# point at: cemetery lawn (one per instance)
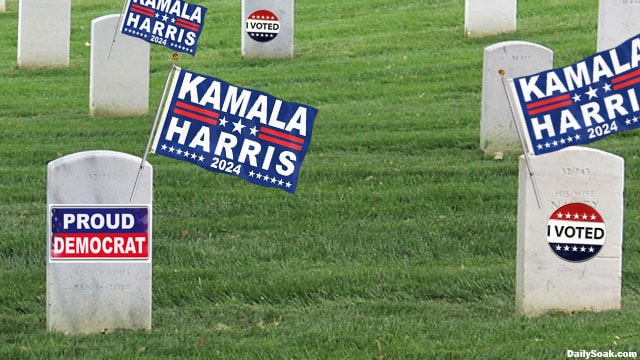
(400, 242)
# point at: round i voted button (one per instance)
(576, 232)
(262, 25)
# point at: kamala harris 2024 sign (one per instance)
(583, 102)
(172, 23)
(233, 130)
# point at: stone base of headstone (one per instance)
(86, 296)
(267, 29)
(483, 18)
(44, 30)
(545, 281)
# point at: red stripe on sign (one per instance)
(202, 111)
(626, 84)
(547, 101)
(195, 116)
(626, 76)
(282, 135)
(279, 142)
(550, 107)
(142, 10)
(187, 24)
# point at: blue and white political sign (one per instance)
(173, 23)
(580, 103)
(233, 130)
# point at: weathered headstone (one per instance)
(267, 28)
(569, 252)
(482, 17)
(617, 22)
(44, 30)
(504, 60)
(98, 243)
(119, 74)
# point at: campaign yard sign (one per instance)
(173, 23)
(580, 103)
(233, 130)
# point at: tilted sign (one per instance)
(580, 103)
(173, 23)
(232, 130)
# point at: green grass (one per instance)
(400, 241)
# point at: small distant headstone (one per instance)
(44, 30)
(2, 6)
(482, 17)
(504, 60)
(119, 71)
(267, 28)
(569, 252)
(617, 22)
(98, 243)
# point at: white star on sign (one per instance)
(254, 131)
(607, 87)
(576, 98)
(223, 122)
(592, 93)
(237, 126)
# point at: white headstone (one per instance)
(2, 6)
(506, 60)
(267, 28)
(119, 75)
(490, 17)
(569, 252)
(617, 22)
(112, 291)
(44, 30)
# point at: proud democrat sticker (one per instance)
(576, 232)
